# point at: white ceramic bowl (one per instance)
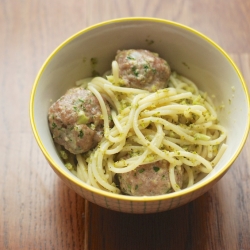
(188, 52)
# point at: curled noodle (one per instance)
(178, 124)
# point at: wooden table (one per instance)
(37, 211)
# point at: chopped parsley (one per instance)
(81, 134)
(136, 187)
(80, 100)
(156, 169)
(141, 170)
(93, 60)
(130, 58)
(135, 71)
(154, 70)
(146, 67)
(54, 125)
(186, 65)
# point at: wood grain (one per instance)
(37, 211)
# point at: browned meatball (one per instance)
(75, 120)
(149, 179)
(142, 69)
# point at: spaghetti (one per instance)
(178, 124)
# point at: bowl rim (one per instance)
(107, 194)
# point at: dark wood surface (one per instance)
(37, 211)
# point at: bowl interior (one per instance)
(188, 52)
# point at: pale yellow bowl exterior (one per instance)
(188, 51)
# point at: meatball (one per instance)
(149, 179)
(75, 120)
(142, 69)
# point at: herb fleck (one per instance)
(130, 58)
(141, 170)
(93, 60)
(146, 67)
(54, 125)
(156, 169)
(135, 71)
(186, 65)
(149, 42)
(81, 134)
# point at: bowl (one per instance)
(188, 52)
